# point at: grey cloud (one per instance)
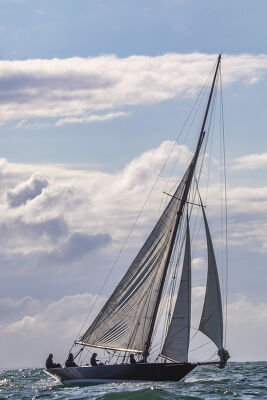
(77, 246)
(13, 229)
(67, 252)
(21, 85)
(12, 309)
(26, 191)
(59, 319)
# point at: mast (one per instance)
(180, 212)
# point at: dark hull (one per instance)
(121, 373)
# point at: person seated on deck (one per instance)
(70, 361)
(94, 360)
(49, 363)
(132, 359)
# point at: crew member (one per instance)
(94, 360)
(49, 362)
(132, 359)
(70, 361)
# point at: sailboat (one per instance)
(126, 323)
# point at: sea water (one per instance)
(236, 381)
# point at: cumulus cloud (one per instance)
(139, 170)
(77, 246)
(72, 88)
(250, 162)
(52, 328)
(18, 231)
(62, 215)
(251, 321)
(62, 219)
(37, 202)
(12, 310)
(27, 190)
(32, 221)
(198, 264)
(65, 310)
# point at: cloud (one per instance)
(250, 162)
(148, 165)
(52, 328)
(62, 234)
(198, 264)
(12, 309)
(27, 190)
(70, 89)
(251, 320)
(32, 222)
(91, 118)
(37, 202)
(23, 233)
(24, 124)
(77, 246)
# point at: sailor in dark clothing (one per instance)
(49, 362)
(70, 361)
(94, 360)
(132, 359)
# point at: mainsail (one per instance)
(125, 320)
(211, 323)
(177, 340)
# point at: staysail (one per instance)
(211, 323)
(177, 340)
(125, 320)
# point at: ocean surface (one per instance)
(236, 381)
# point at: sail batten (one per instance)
(177, 340)
(211, 322)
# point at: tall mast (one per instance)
(180, 211)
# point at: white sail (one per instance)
(177, 340)
(211, 323)
(124, 321)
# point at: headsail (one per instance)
(177, 340)
(211, 323)
(125, 320)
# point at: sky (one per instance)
(93, 96)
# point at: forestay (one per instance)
(211, 323)
(177, 340)
(124, 321)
